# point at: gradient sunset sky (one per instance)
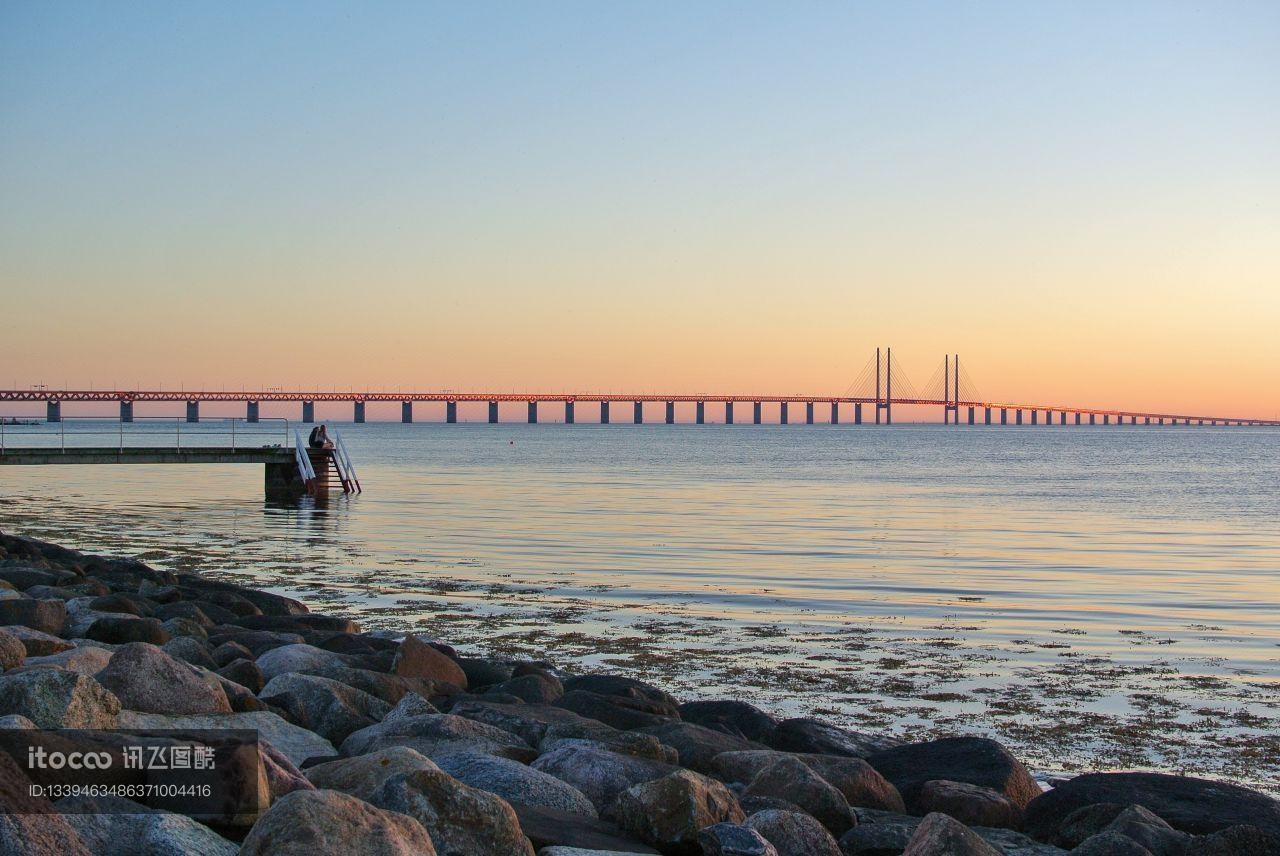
(1082, 199)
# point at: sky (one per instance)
(1081, 199)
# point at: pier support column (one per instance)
(406, 411)
(671, 413)
(702, 412)
(1062, 418)
(1018, 415)
(808, 413)
(835, 413)
(728, 413)
(637, 413)
(1186, 422)
(604, 413)
(451, 412)
(126, 411)
(1106, 419)
(493, 413)
(568, 413)
(1077, 418)
(251, 411)
(857, 413)
(308, 411)
(986, 416)
(783, 414)
(1004, 416)
(970, 415)
(53, 411)
(1093, 419)
(193, 411)
(533, 413)
(1035, 414)
(358, 415)
(755, 413)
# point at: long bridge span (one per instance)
(880, 387)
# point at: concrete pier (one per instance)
(53, 411)
(1018, 415)
(406, 411)
(783, 415)
(1106, 419)
(1035, 417)
(857, 413)
(755, 413)
(970, 415)
(126, 411)
(835, 413)
(702, 412)
(568, 413)
(193, 411)
(604, 413)
(986, 416)
(1093, 419)
(451, 412)
(637, 413)
(808, 413)
(1077, 418)
(1004, 416)
(251, 411)
(308, 411)
(533, 413)
(358, 414)
(728, 413)
(671, 413)
(493, 413)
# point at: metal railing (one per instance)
(345, 467)
(146, 431)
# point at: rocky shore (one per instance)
(379, 743)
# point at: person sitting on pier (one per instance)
(319, 438)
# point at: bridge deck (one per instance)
(149, 455)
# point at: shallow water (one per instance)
(1096, 597)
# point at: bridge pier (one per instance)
(1186, 422)
(755, 413)
(1077, 417)
(1062, 418)
(1004, 416)
(126, 411)
(53, 411)
(808, 413)
(451, 412)
(533, 413)
(637, 413)
(728, 413)
(604, 413)
(406, 412)
(970, 415)
(193, 411)
(986, 416)
(1106, 419)
(493, 413)
(671, 413)
(251, 411)
(308, 411)
(1018, 415)
(783, 415)
(1034, 417)
(835, 413)
(568, 413)
(702, 412)
(358, 414)
(857, 413)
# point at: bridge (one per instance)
(880, 386)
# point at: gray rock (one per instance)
(461, 820)
(794, 833)
(297, 744)
(622, 712)
(531, 722)
(297, 658)
(622, 742)
(52, 698)
(533, 688)
(1110, 844)
(669, 812)
(36, 642)
(790, 779)
(972, 805)
(86, 660)
(184, 628)
(438, 734)
(1150, 831)
(80, 616)
(975, 760)
(813, 736)
(122, 631)
(362, 775)
(147, 679)
(600, 774)
(14, 721)
(939, 835)
(695, 745)
(516, 783)
(732, 717)
(731, 839)
(309, 823)
(12, 652)
(47, 616)
(331, 709)
(411, 704)
(857, 780)
(114, 826)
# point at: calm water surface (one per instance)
(1097, 597)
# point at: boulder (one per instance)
(417, 659)
(735, 718)
(732, 839)
(461, 820)
(1237, 840)
(669, 812)
(620, 686)
(552, 830)
(883, 832)
(189, 649)
(245, 673)
(52, 698)
(696, 746)
(12, 652)
(185, 627)
(790, 779)
(257, 641)
(621, 712)
(1111, 844)
(117, 602)
(308, 823)
(389, 688)
(939, 835)
(47, 616)
(857, 780)
(531, 722)
(972, 805)
(86, 660)
(438, 734)
(975, 760)
(23, 578)
(813, 736)
(516, 783)
(612, 740)
(38, 643)
(29, 825)
(184, 609)
(229, 652)
(297, 744)
(793, 833)
(330, 709)
(122, 631)
(297, 658)
(598, 773)
(362, 775)
(1140, 825)
(533, 688)
(411, 705)
(1198, 806)
(484, 673)
(282, 775)
(145, 678)
(114, 826)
